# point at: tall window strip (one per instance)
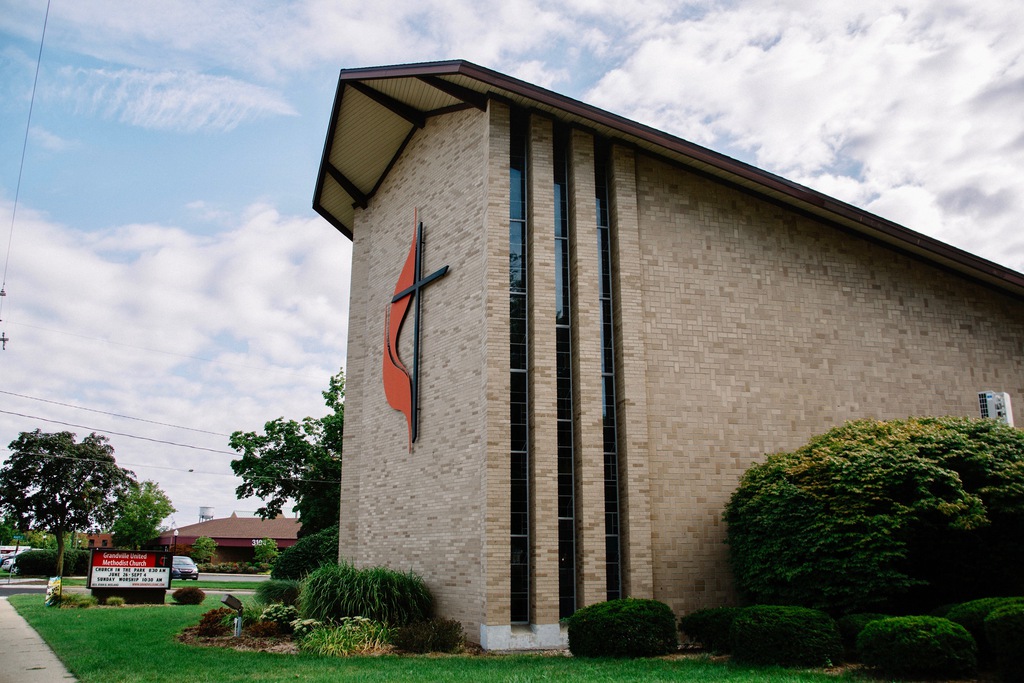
(519, 590)
(563, 350)
(613, 552)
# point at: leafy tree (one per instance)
(265, 551)
(139, 512)
(904, 515)
(51, 482)
(203, 549)
(293, 460)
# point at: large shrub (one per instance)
(308, 553)
(917, 647)
(785, 636)
(1004, 631)
(628, 627)
(337, 591)
(44, 562)
(850, 627)
(710, 627)
(883, 514)
(971, 615)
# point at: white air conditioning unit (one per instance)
(996, 405)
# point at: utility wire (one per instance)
(21, 166)
(130, 436)
(103, 412)
(54, 456)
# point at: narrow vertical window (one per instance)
(519, 590)
(563, 350)
(613, 553)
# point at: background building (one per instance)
(626, 323)
(236, 537)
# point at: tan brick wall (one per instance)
(763, 328)
(584, 266)
(497, 526)
(630, 378)
(543, 376)
(742, 329)
(424, 510)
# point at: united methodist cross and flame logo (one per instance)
(400, 385)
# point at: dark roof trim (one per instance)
(722, 166)
(413, 116)
(361, 200)
(465, 94)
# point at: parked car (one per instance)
(10, 564)
(184, 568)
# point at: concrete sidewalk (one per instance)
(26, 657)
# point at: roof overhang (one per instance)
(377, 110)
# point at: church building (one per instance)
(570, 334)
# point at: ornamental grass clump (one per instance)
(767, 635)
(350, 636)
(710, 627)
(628, 627)
(284, 591)
(334, 592)
(1004, 630)
(917, 647)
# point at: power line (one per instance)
(103, 412)
(181, 469)
(21, 166)
(130, 436)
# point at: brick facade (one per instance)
(742, 327)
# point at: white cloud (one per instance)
(49, 141)
(910, 110)
(218, 333)
(183, 101)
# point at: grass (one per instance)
(138, 644)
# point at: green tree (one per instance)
(298, 461)
(51, 482)
(265, 551)
(140, 509)
(203, 549)
(898, 515)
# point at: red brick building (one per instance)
(236, 537)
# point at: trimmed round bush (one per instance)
(1004, 630)
(628, 627)
(883, 516)
(971, 615)
(785, 636)
(190, 595)
(918, 647)
(308, 554)
(851, 625)
(710, 627)
(338, 591)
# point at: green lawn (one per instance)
(138, 644)
(176, 584)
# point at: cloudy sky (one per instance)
(167, 280)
